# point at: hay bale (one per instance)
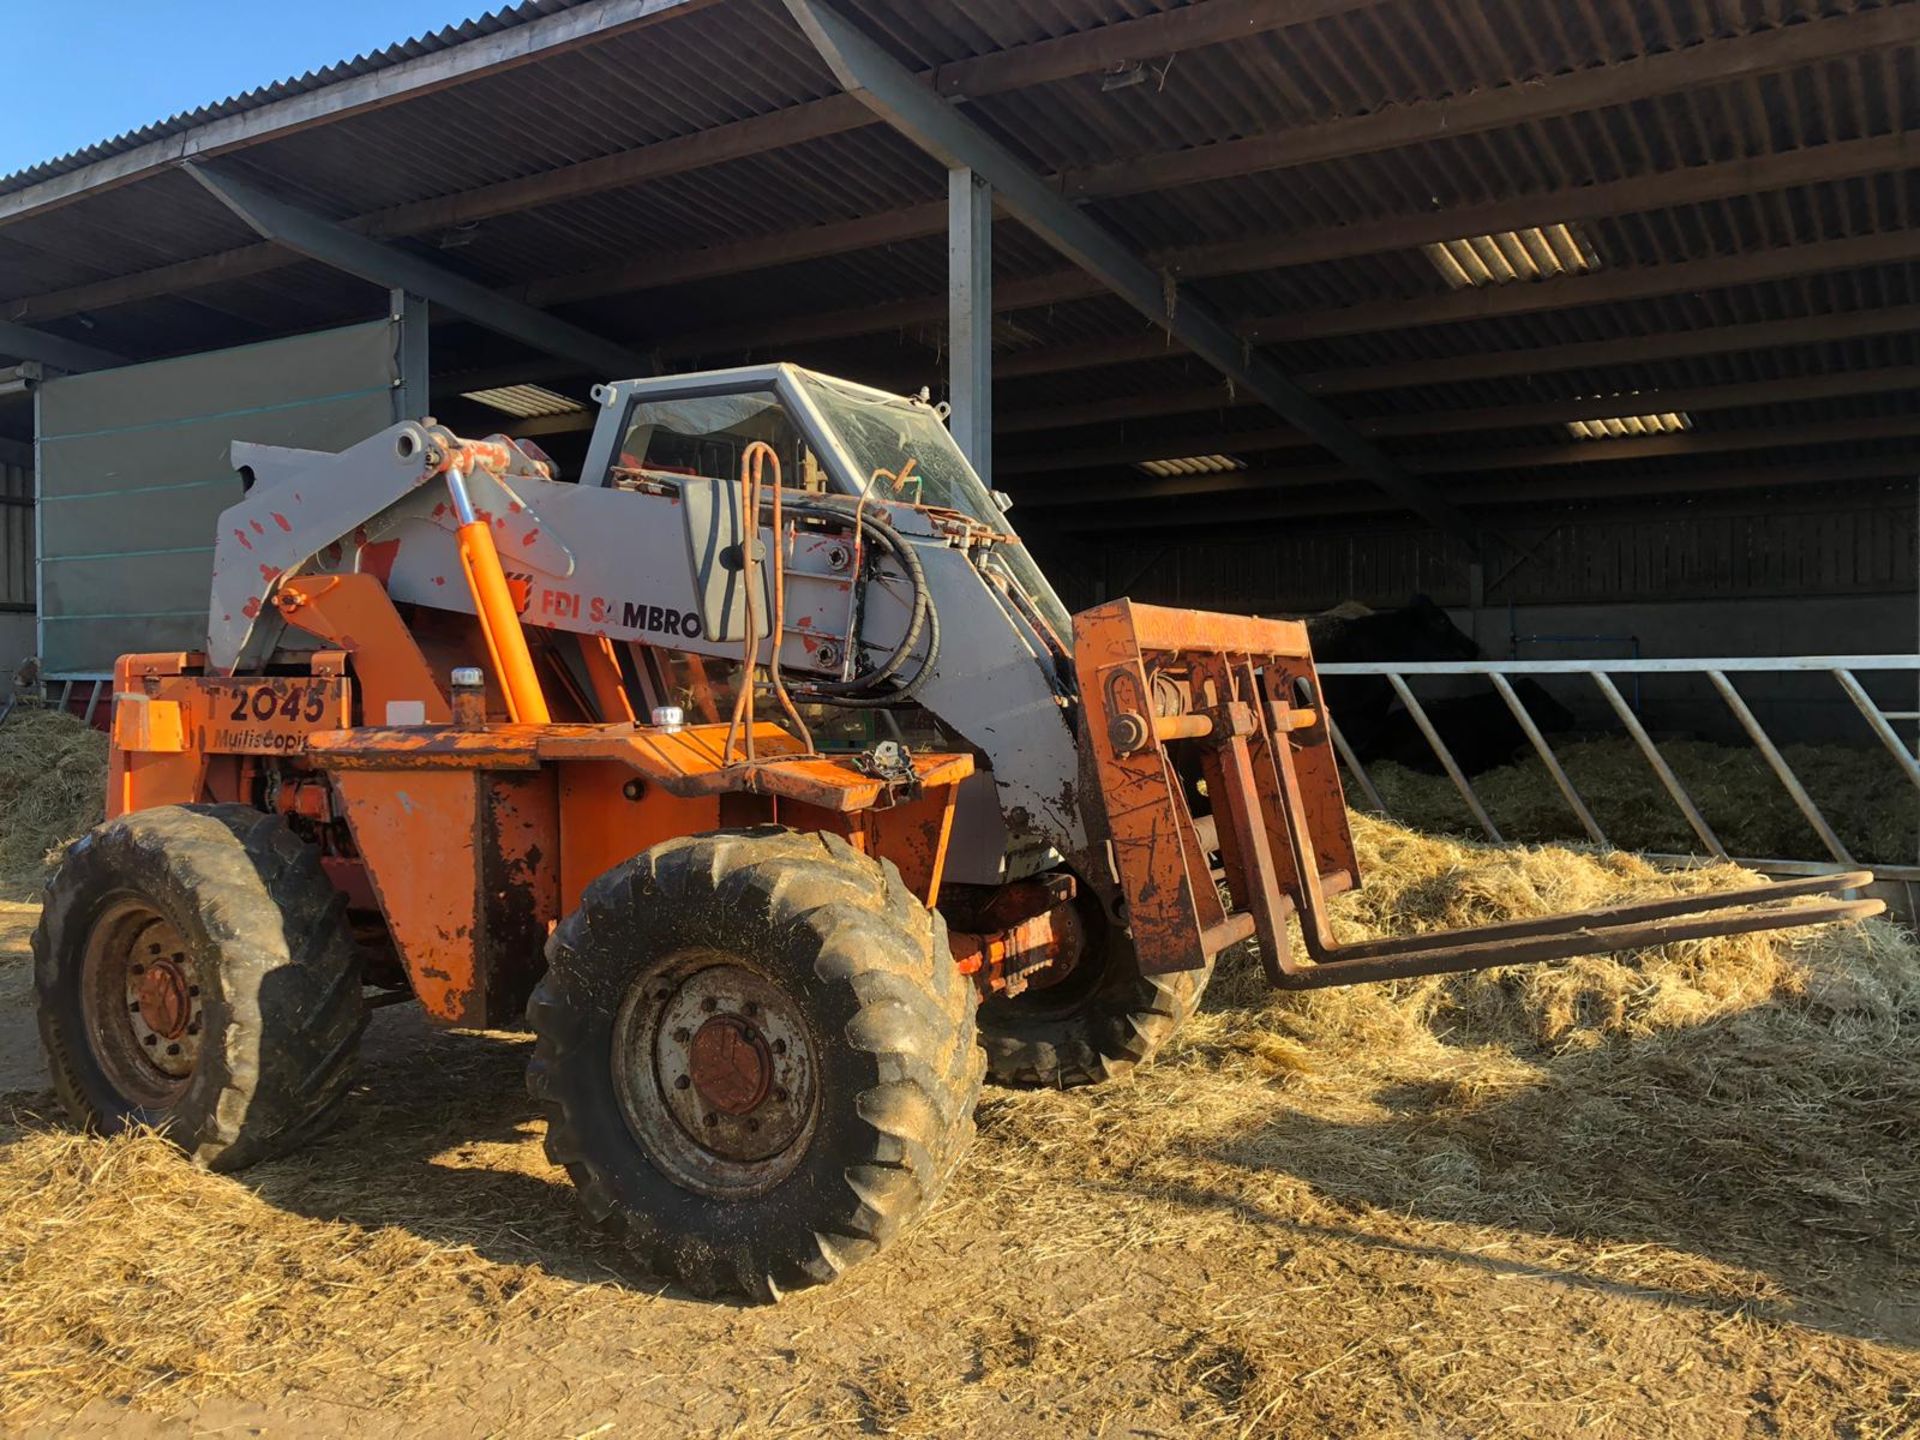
(53, 785)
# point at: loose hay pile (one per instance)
(126, 1274)
(1859, 789)
(1736, 1065)
(1350, 1203)
(53, 777)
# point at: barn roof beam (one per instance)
(394, 269)
(1635, 195)
(1598, 87)
(22, 342)
(1158, 446)
(1085, 488)
(1562, 292)
(1166, 33)
(1084, 52)
(1692, 442)
(1793, 389)
(939, 129)
(1090, 355)
(373, 90)
(1631, 350)
(1641, 282)
(1322, 500)
(1495, 364)
(1787, 390)
(1688, 185)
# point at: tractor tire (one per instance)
(756, 1058)
(195, 973)
(1096, 1025)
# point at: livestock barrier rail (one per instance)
(1843, 670)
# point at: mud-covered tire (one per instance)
(1093, 1029)
(273, 1014)
(861, 973)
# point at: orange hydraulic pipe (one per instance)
(493, 603)
(603, 673)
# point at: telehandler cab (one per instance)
(758, 766)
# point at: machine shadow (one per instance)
(441, 1139)
(1662, 1140)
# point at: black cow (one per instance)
(1418, 630)
(1479, 730)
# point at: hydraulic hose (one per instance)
(862, 690)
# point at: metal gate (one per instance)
(1844, 671)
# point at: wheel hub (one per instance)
(144, 1000)
(730, 1064)
(715, 1067)
(160, 998)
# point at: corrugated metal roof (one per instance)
(741, 60)
(444, 38)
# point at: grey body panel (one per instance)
(640, 566)
(715, 528)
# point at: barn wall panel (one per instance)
(134, 472)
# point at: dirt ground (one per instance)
(1219, 1248)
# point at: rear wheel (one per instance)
(195, 973)
(1095, 1024)
(756, 1057)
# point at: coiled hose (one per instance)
(863, 691)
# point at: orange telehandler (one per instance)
(757, 765)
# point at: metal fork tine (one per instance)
(1454, 957)
(1607, 916)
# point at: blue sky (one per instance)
(78, 71)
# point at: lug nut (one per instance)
(750, 1008)
(138, 968)
(752, 1125)
(682, 1083)
(779, 1047)
(151, 1039)
(709, 1005)
(780, 1093)
(134, 1005)
(713, 1119)
(682, 1035)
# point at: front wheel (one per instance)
(195, 973)
(756, 1057)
